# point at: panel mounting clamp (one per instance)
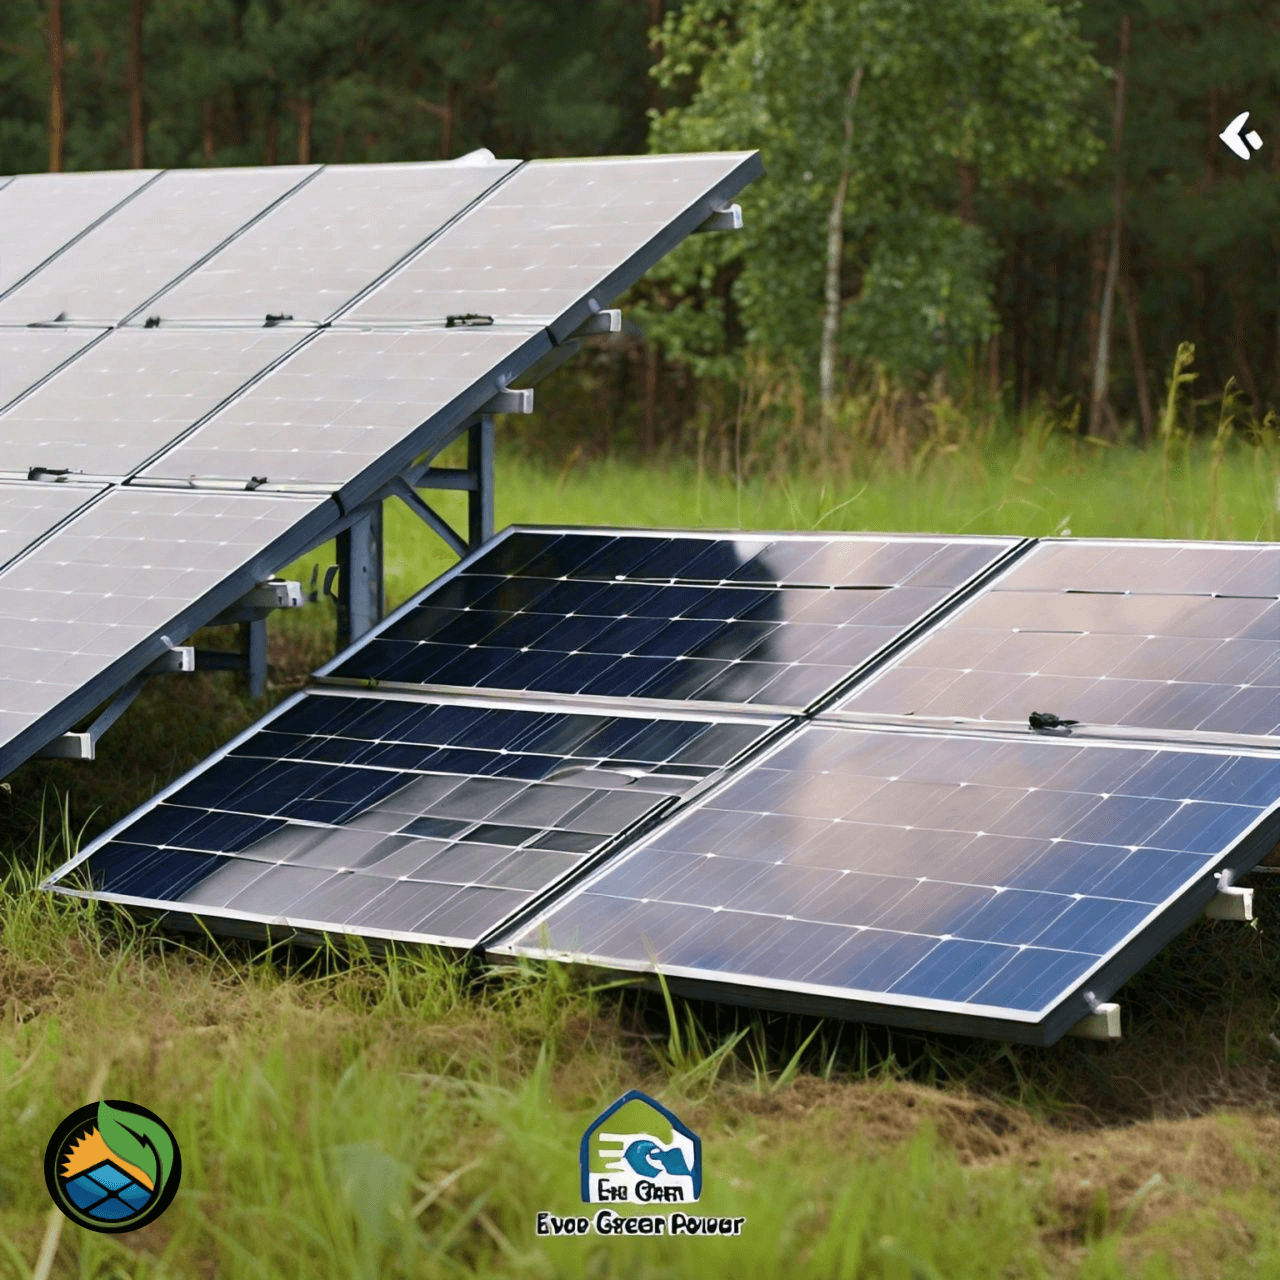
(1231, 902)
(728, 218)
(1102, 1023)
(510, 401)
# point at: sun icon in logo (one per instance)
(113, 1166)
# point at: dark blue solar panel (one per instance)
(428, 820)
(1159, 635)
(760, 620)
(918, 871)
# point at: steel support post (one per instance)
(360, 590)
(253, 644)
(480, 464)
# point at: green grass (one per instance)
(351, 1117)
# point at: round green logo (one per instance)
(112, 1166)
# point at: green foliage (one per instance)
(137, 1139)
(955, 99)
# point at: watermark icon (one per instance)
(112, 1166)
(637, 1153)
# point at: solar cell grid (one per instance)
(766, 621)
(328, 241)
(102, 587)
(557, 233)
(162, 232)
(347, 401)
(399, 818)
(932, 873)
(29, 511)
(28, 355)
(42, 212)
(1160, 636)
(132, 395)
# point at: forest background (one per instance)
(981, 207)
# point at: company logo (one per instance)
(637, 1152)
(112, 1166)
(633, 1155)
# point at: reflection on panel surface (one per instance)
(960, 874)
(1167, 636)
(767, 620)
(402, 818)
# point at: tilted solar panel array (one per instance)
(825, 859)
(191, 329)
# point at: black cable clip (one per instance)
(468, 320)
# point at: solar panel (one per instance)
(163, 231)
(947, 882)
(772, 620)
(350, 399)
(328, 241)
(1164, 636)
(29, 511)
(392, 817)
(86, 607)
(41, 212)
(132, 395)
(561, 238)
(28, 355)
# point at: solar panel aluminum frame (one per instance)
(325, 674)
(321, 523)
(919, 1013)
(961, 604)
(258, 927)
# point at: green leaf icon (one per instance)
(139, 1140)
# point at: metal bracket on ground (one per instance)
(1231, 902)
(1102, 1023)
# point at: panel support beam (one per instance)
(360, 576)
(82, 745)
(480, 464)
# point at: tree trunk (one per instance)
(273, 137)
(306, 112)
(655, 47)
(835, 248)
(206, 130)
(1138, 357)
(137, 106)
(447, 121)
(1100, 405)
(57, 112)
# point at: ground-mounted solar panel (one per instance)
(43, 212)
(331, 239)
(147, 243)
(88, 607)
(27, 356)
(402, 818)
(30, 511)
(764, 620)
(133, 394)
(940, 881)
(1164, 636)
(560, 239)
(352, 406)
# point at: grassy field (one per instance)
(348, 1117)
